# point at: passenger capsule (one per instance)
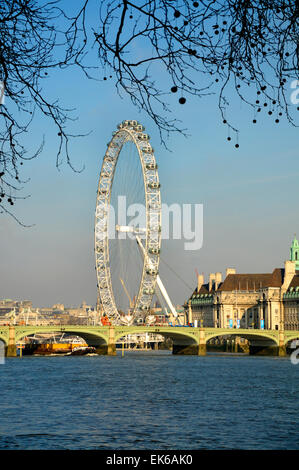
(154, 251)
(151, 166)
(151, 271)
(143, 137)
(154, 185)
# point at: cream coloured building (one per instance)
(248, 300)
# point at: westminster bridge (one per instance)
(186, 340)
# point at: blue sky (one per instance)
(250, 195)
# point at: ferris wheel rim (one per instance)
(134, 132)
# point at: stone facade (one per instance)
(7, 305)
(267, 301)
(291, 305)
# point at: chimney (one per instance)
(218, 279)
(230, 271)
(211, 279)
(289, 273)
(200, 281)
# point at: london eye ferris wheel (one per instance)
(128, 253)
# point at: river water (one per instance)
(149, 400)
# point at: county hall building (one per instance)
(267, 300)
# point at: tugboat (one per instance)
(65, 345)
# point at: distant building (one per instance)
(22, 313)
(58, 307)
(7, 305)
(249, 300)
(165, 317)
(86, 307)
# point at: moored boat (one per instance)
(63, 345)
(82, 351)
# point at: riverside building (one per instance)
(269, 300)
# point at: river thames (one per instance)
(149, 400)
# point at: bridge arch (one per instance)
(92, 338)
(4, 338)
(290, 338)
(178, 335)
(250, 335)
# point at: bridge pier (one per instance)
(262, 350)
(11, 350)
(189, 350)
(186, 349)
(259, 348)
(110, 348)
(282, 351)
(202, 348)
(192, 349)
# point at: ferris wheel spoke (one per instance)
(130, 229)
